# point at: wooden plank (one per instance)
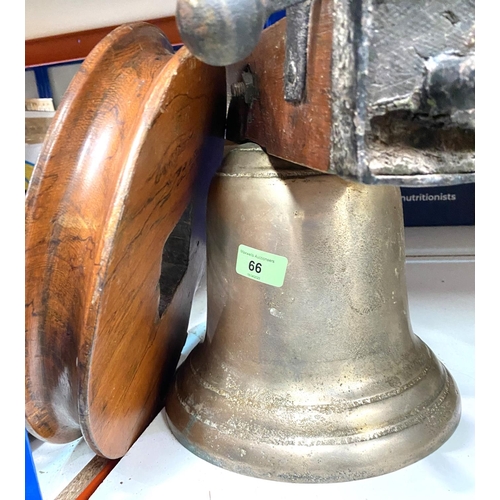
(296, 132)
(88, 479)
(76, 46)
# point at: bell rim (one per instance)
(334, 466)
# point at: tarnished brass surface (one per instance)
(321, 379)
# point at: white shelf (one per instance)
(448, 241)
(57, 464)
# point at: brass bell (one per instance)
(310, 371)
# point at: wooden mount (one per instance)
(135, 140)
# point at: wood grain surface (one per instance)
(128, 150)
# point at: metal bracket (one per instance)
(223, 32)
(297, 41)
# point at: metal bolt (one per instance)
(246, 88)
(238, 89)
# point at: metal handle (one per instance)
(222, 32)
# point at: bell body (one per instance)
(310, 371)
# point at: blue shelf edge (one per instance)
(31, 485)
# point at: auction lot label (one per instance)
(261, 266)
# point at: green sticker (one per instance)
(261, 266)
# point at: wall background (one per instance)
(54, 17)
